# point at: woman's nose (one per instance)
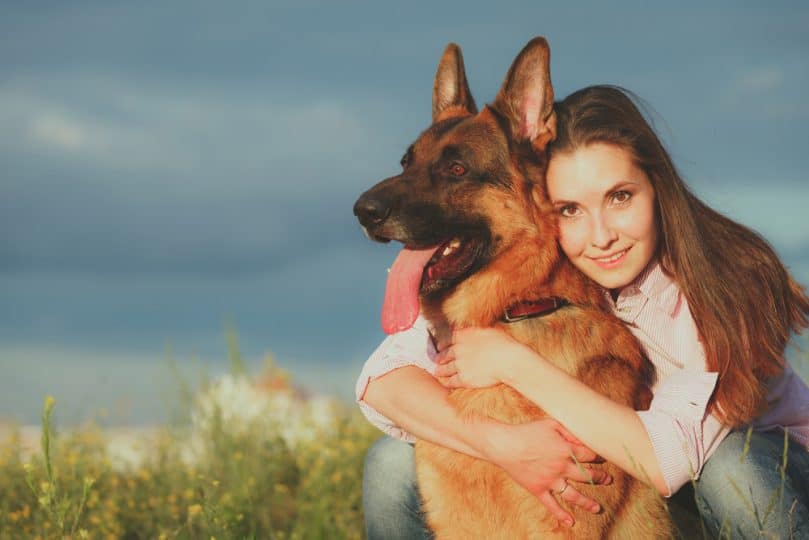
(602, 234)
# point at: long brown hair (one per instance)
(744, 302)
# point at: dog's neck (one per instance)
(533, 274)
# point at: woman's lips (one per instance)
(612, 260)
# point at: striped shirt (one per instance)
(682, 432)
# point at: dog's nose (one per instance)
(371, 211)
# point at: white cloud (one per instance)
(162, 130)
(761, 79)
(58, 130)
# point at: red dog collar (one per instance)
(532, 308)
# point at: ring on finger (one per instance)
(563, 489)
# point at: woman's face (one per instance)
(606, 209)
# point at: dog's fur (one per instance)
(499, 203)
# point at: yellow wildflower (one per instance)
(194, 510)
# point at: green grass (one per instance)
(221, 480)
(237, 483)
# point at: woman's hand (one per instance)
(540, 457)
(479, 357)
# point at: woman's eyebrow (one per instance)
(621, 184)
(612, 189)
(562, 202)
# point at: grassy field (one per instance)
(247, 459)
(215, 476)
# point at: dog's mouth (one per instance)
(426, 272)
(450, 263)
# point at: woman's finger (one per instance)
(443, 343)
(446, 370)
(567, 435)
(453, 381)
(553, 507)
(582, 454)
(445, 356)
(578, 473)
(572, 496)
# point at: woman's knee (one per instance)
(750, 462)
(391, 501)
(743, 489)
(389, 469)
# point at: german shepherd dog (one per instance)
(480, 249)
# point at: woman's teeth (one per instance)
(612, 258)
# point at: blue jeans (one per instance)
(390, 497)
(732, 496)
(744, 495)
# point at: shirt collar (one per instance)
(658, 287)
(652, 284)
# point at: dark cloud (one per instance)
(166, 167)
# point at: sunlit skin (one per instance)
(606, 207)
(608, 229)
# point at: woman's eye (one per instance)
(457, 169)
(569, 211)
(404, 161)
(620, 197)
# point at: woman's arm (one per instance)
(537, 455)
(397, 392)
(415, 401)
(614, 431)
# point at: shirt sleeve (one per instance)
(412, 347)
(681, 431)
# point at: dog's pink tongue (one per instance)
(401, 305)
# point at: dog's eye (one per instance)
(457, 169)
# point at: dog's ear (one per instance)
(451, 95)
(526, 97)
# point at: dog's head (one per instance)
(471, 187)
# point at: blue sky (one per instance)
(171, 167)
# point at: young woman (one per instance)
(709, 300)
